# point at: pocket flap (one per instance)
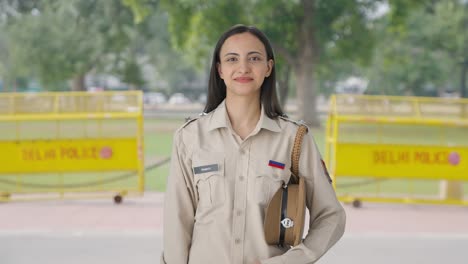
(272, 172)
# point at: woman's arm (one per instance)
(327, 216)
(179, 206)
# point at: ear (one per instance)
(220, 72)
(270, 65)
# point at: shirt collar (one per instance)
(219, 119)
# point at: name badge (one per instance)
(206, 168)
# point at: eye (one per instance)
(231, 59)
(255, 58)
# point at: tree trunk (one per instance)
(283, 88)
(78, 83)
(304, 70)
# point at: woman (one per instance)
(221, 176)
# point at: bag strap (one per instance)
(296, 153)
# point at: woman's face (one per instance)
(243, 65)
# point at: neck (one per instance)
(243, 113)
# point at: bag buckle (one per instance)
(287, 223)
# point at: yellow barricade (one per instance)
(71, 145)
(398, 149)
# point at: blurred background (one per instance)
(163, 48)
(109, 50)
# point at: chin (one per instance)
(246, 93)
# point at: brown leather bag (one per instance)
(285, 214)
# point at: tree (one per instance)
(170, 65)
(61, 40)
(9, 72)
(306, 34)
(421, 54)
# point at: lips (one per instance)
(243, 79)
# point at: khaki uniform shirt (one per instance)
(219, 186)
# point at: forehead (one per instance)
(242, 43)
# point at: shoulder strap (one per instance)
(296, 153)
(189, 120)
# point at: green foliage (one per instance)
(132, 74)
(64, 39)
(423, 57)
(341, 28)
(195, 26)
(171, 66)
(140, 9)
(55, 41)
(415, 48)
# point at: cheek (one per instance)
(224, 72)
(220, 71)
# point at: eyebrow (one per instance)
(236, 54)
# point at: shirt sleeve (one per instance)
(179, 206)
(327, 216)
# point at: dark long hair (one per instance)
(217, 88)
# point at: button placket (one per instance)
(240, 204)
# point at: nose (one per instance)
(244, 66)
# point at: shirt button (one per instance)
(241, 178)
(242, 151)
(239, 212)
(237, 241)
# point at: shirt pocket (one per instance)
(208, 171)
(268, 180)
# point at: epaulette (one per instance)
(189, 119)
(298, 123)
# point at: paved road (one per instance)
(145, 248)
(99, 232)
(399, 249)
(80, 248)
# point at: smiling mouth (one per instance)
(243, 79)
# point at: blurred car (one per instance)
(154, 98)
(449, 94)
(178, 98)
